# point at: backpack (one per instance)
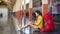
(48, 23)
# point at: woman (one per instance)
(38, 24)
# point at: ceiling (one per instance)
(8, 3)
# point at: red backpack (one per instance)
(48, 23)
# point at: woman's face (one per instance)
(36, 14)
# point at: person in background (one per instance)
(0, 14)
(38, 24)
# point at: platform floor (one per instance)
(7, 26)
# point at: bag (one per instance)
(48, 23)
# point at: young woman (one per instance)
(38, 24)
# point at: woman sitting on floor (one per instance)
(38, 24)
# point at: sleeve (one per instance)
(38, 21)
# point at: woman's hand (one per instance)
(22, 28)
(30, 22)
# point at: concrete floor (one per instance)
(57, 28)
(7, 26)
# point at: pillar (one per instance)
(21, 12)
(51, 1)
(44, 7)
(30, 12)
(24, 12)
(17, 9)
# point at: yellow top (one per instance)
(39, 22)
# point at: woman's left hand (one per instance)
(30, 22)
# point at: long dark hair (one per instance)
(37, 11)
(40, 13)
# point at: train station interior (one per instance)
(14, 14)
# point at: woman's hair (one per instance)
(37, 11)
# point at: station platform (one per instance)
(7, 26)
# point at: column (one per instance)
(17, 9)
(30, 12)
(21, 12)
(44, 7)
(24, 12)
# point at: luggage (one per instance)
(48, 23)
